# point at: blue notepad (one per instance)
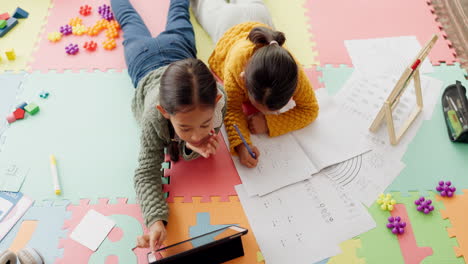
(8, 200)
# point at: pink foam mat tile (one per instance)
(52, 55)
(214, 176)
(334, 21)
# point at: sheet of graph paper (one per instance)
(304, 222)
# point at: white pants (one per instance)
(217, 16)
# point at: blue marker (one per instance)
(245, 142)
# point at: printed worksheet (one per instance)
(304, 222)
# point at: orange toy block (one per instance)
(109, 44)
(183, 216)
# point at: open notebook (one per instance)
(293, 157)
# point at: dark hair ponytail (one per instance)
(185, 85)
(271, 75)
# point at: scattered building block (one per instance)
(11, 118)
(3, 24)
(19, 114)
(4, 16)
(22, 105)
(32, 108)
(20, 13)
(11, 23)
(10, 54)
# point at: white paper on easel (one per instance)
(92, 230)
(385, 55)
(304, 222)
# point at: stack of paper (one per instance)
(13, 205)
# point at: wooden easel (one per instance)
(386, 112)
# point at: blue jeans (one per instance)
(143, 53)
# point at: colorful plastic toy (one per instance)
(90, 45)
(22, 105)
(11, 23)
(3, 24)
(445, 188)
(11, 118)
(386, 202)
(109, 44)
(32, 108)
(79, 30)
(66, 30)
(115, 24)
(19, 114)
(112, 32)
(85, 10)
(4, 16)
(44, 94)
(75, 21)
(396, 225)
(96, 28)
(424, 205)
(54, 36)
(72, 49)
(11, 55)
(20, 13)
(105, 12)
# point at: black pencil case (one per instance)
(455, 108)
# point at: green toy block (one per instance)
(32, 108)
(11, 23)
(3, 23)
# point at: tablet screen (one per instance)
(230, 231)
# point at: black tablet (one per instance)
(214, 247)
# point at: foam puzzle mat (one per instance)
(87, 123)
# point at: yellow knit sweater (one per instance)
(228, 60)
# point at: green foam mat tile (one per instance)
(87, 123)
(430, 230)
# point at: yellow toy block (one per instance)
(10, 54)
(54, 36)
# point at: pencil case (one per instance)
(455, 108)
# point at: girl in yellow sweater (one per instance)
(256, 67)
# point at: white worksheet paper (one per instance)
(332, 138)
(386, 55)
(92, 230)
(14, 215)
(304, 222)
(365, 176)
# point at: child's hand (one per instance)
(154, 239)
(244, 156)
(258, 124)
(208, 148)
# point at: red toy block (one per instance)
(4, 16)
(19, 113)
(90, 45)
(85, 10)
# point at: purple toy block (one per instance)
(445, 188)
(72, 49)
(66, 30)
(105, 12)
(396, 225)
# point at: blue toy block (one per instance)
(11, 22)
(20, 13)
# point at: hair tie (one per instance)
(274, 42)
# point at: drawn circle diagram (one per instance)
(345, 172)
